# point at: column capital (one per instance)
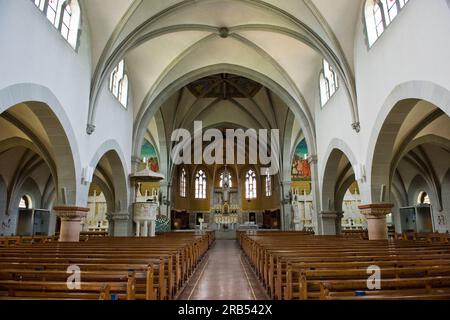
(376, 219)
(71, 217)
(286, 183)
(313, 159)
(135, 160)
(329, 214)
(330, 222)
(135, 163)
(376, 210)
(120, 216)
(165, 183)
(71, 213)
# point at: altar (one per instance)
(225, 213)
(227, 221)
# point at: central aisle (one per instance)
(224, 275)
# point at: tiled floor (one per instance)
(224, 275)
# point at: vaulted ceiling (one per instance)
(163, 41)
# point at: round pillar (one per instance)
(376, 219)
(71, 218)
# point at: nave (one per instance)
(259, 266)
(224, 275)
(138, 135)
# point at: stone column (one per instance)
(339, 217)
(376, 219)
(329, 222)
(152, 231)
(121, 221)
(315, 192)
(297, 216)
(165, 189)
(286, 206)
(109, 217)
(71, 218)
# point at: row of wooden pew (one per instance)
(101, 268)
(13, 240)
(429, 237)
(295, 266)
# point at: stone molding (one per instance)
(120, 216)
(376, 211)
(71, 213)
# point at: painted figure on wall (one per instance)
(149, 152)
(301, 170)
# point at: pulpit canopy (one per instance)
(146, 175)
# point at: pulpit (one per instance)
(145, 208)
(145, 218)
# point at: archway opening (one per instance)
(26, 202)
(96, 220)
(352, 218)
(219, 103)
(108, 194)
(423, 199)
(407, 164)
(28, 189)
(301, 189)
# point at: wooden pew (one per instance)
(160, 265)
(294, 266)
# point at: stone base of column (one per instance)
(329, 222)
(376, 219)
(71, 218)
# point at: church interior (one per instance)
(328, 129)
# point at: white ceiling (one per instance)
(257, 37)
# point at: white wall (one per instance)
(415, 47)
(33, 51)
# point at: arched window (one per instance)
(26, 203)
(118, 84)
(250, 185)
(229, 180)
(379, 14)
(64, 16)
(40, 4)
(200, 185)
(66, 20)
(328, 83)
(423, 198)
(52, 11)
(268, 184)
(183, 179)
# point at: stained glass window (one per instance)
(183, 183)
(250, 185)
(268, 184)
(200, 185)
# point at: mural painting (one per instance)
(148, 152)
(301, 170)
